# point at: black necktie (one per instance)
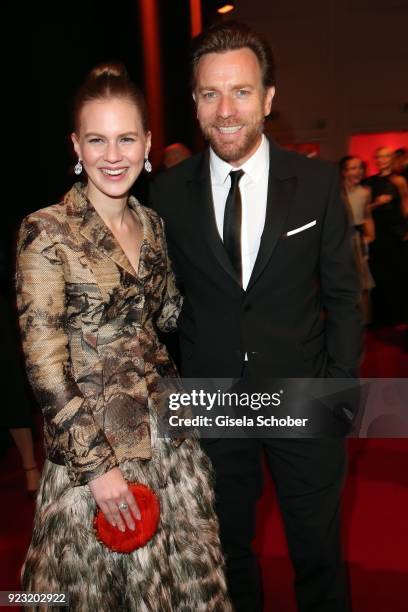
(232, 223)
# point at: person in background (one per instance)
(388, 252)
(175, 153)
(23, 439)
(400, 162)
(94, 283)
(357, 198)
(17, 405)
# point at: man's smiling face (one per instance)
(232, 103)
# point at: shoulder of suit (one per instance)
(303, 165)
(291, 161)
(183, 171)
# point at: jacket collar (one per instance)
(93, 228)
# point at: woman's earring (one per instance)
(147, 165)
(78, 167)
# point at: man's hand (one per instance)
(110, 491)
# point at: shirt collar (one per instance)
(254, 167)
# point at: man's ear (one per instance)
(270, 92)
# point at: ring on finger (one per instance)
(123, 506)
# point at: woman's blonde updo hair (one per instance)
(110, 80)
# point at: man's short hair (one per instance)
(229, 36)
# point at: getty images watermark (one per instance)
(220, 400)
(321, 407)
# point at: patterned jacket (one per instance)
(88, 325)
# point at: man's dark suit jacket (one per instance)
(300, 315)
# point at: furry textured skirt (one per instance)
(181, 569)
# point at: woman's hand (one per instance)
(111, 490)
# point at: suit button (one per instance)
(247, 307)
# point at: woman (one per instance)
(93, 282)
(357, 198)
(389, 251)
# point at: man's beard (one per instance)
(235, 151)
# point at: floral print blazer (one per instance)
(88, 324)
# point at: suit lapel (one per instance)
(201, 197)
(94, 230)
(98, 240)
(281, 194)
(282, 184)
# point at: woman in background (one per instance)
(16, 414)
(357, 198)
(389, 251)
(94, 283)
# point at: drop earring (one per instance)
(78, 167)
(147, 165)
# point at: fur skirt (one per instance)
(181, 568)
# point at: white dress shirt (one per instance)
(254, 190)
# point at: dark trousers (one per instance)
(308, 475)
(388, 263)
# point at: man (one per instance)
(254, 292)
(400, 162)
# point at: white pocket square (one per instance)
(301, 229)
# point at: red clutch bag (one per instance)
(145, 527)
